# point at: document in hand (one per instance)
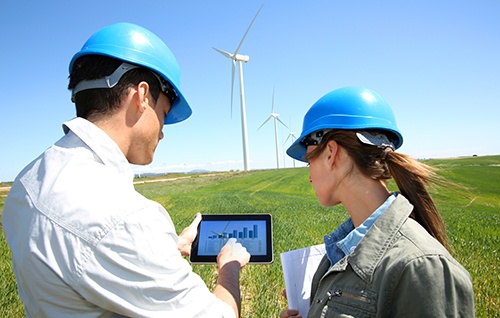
(299, 267)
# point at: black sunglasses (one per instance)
(168, 90)
(314, 139)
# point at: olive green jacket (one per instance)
(397, 270)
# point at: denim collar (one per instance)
(345, 238)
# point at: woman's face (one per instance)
(322, 177)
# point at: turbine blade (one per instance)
(232, 86)
(281, 122)
(226, 54)
(290, 134)
(243, 39)
(265, 122)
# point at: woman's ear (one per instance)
(331, 151)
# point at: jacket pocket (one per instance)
(346, 302)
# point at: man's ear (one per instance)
(140, 96)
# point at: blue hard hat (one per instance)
(132, 43)
(350, 108)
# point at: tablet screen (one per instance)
(253, 231)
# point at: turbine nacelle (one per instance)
(242, 58)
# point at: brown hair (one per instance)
(98, 102)
(412, 177)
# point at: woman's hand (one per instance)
(290, 313)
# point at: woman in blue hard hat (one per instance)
(84, 242)
(390, 258)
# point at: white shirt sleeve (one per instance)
(136, 270)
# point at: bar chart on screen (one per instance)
(214, 235)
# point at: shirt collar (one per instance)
(104, 147)
(349, 243)
(365, 258)
(345, 238)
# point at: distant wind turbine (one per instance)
(276, 120)
(291, 134)
(235, 57)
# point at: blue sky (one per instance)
(437, 63)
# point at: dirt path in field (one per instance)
(161, 180)
(4, 191)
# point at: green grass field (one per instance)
(472, 219)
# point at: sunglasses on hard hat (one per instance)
(167, 89)
(314, 138)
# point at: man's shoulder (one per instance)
(76, 191)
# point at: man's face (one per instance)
(149, 132)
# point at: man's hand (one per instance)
(233, 251)
(188, 235)
(232, 257)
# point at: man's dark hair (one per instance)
(101, 101)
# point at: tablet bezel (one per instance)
(254, 259)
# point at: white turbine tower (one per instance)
(276, 120)
(235, 57)
(292, 135)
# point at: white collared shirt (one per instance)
(86, 244)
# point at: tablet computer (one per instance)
(253, 231)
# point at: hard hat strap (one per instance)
(375, 139)
(105, 82)
(110, 81)
(368, 138)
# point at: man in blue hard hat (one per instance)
(84, 242)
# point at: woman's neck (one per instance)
(363, 197)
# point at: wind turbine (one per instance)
(291, 134)
(276, 120)
(235, 57)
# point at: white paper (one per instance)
(299, 267)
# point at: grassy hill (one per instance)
(472, 219)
